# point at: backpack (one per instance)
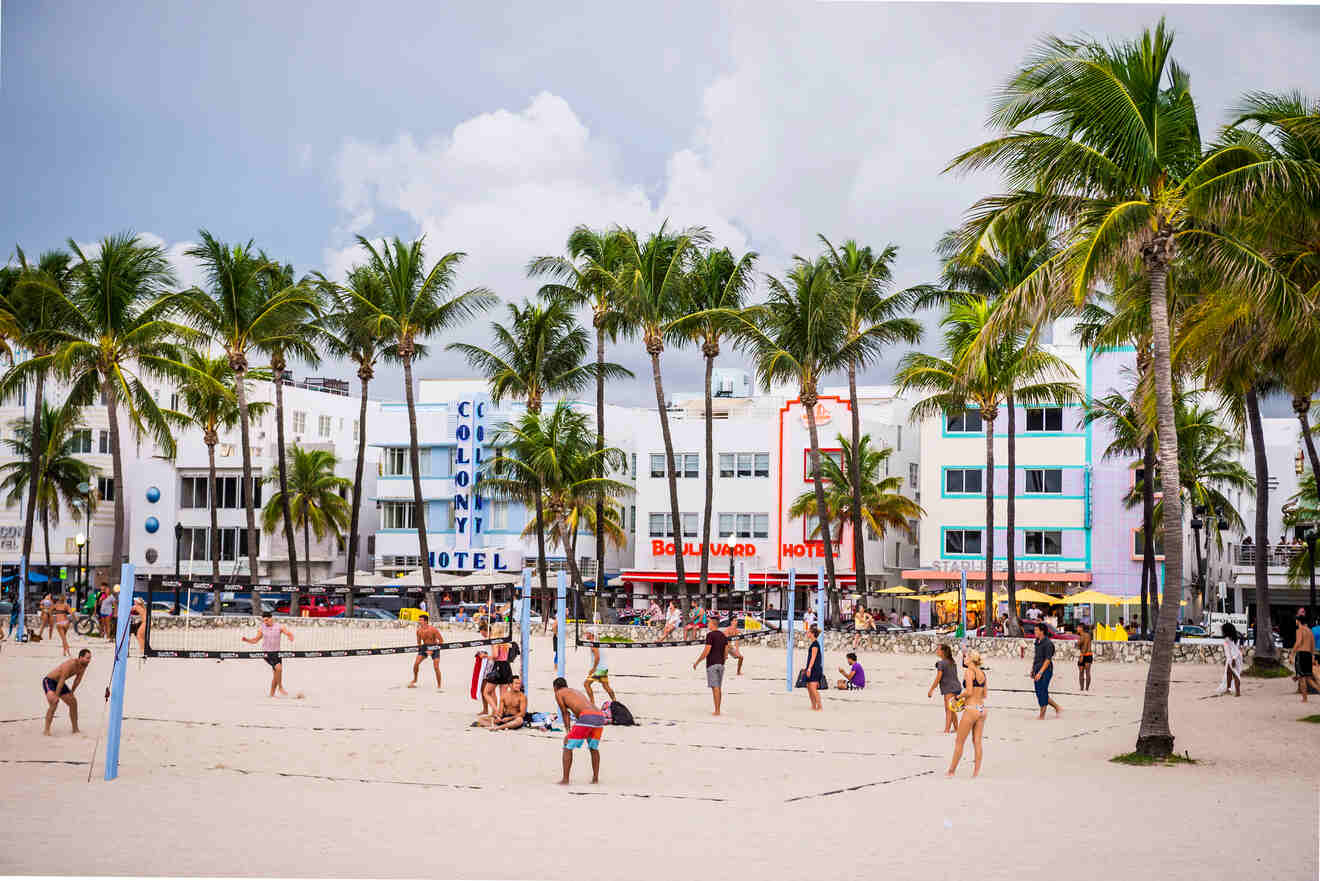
(513, 652)
(620, 715)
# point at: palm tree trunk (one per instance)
(423, 548)
(679, 576)
(34, 475)
(357, 491)
(1155, 737)
(307, 552)
(710, 483)
(116, 472)
(1302, 407)
(277, 365)
(540, 547)
(809, 399)
(600, 465)
(249, 488)
(45, 535)
(570, 554)
(988, 417)
(1265, 656)
(1148, 588)
(855, 475)
(1010, 525)
(215, 531)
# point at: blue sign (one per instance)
(469, 435)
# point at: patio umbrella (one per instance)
(1027, 595)
(1090, 596)
(897, 590)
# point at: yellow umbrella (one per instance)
(1027, 595)
(896, 591)
(1092, 596)
(947, 596)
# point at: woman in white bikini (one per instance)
(61, 611)
(973, 715)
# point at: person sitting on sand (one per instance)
(510, 713)
(588, 727)
(55, 686)
(854, 677)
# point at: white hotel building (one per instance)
(761, 447)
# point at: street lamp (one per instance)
(178, 540)
(81, 541)
(86, 489)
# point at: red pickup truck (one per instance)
(313, 607)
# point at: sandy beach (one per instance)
(365, 777)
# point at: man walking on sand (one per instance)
(599, 672)
(429, 641)
(268, 634)
(1042, 670)
(1303, 656)
(713, 652)
(588, 726)
(54, 685)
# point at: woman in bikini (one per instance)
(47, 628)
(973, 717)
(61, 611)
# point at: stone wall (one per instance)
(925, 643)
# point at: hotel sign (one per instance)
(469, 435)
(1027, 566)
(661, 548)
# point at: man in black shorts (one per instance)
(1303, 652)
(429, 641)
(269, 634)
(54, 685)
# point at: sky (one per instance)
(494, 129)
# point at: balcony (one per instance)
(399, 486)
(1275, 555)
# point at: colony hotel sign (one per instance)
(469, 505)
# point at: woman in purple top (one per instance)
(854, 675)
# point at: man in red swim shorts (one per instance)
(588, 726)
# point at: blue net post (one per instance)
(120, 671)
(561, 622)
(525, 613)
(820, 604)
(792, 603)
(20, 597)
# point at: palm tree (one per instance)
(800, 334)
(883, 506)
(37, 292)
(717, 285)
(416, 303)
(59, 470)
(583, 278)
(550, 460)
(541, 350)
(298, 338)
(971, 377)
(115, 328)
(883, 318)
(1302, 508)
(1102, 143)
(208, 398)
(9, 329)
(648, 287)
(247, 310)
(348, 332)
(315, 498)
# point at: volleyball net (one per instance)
(741, 614)
(319, 622)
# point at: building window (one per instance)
(193, 492)
(299, 422)
(105, 489)
(192, 544)
(808, 473)
(966, 422)
(80, 441)
(657, 464)
(1044, 542)
(103, 441)
(632, 519)
(396, 460)
(1139, 544)
(174, 401)
(499, 515)
(962, 541)
(744, 526)
(357, 429)
(690, 525)
(913, 474)
(661, 525)
(398, 515)
(1044, 480)
(744, 465)
(691, 465)
(964, 480)
(1045, 419)
(634, 466)
(323, 426)
(1139, 476)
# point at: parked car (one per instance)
(243, 606)
(1029, 631)
(366, 612)
(314, 606)
(1192, 630)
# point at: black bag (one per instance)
(802, 679)
(514, 651)
(620, 715)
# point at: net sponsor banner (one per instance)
(336, 653)
(671, 643)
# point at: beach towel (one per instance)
(477, 670)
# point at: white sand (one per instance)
(365, 777)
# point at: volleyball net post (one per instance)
(525, 615)
(119, 673)
(790, 613)
(561, 623)
(821, 606)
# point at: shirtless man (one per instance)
(54, 685)
(510, 713)
(732, 631)
(588, 726)
(599, 672)
(1085, 657)
(428, 638)
(61, 610)
(1303, 656)
(268, 634)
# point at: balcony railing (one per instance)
(1275, 555)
